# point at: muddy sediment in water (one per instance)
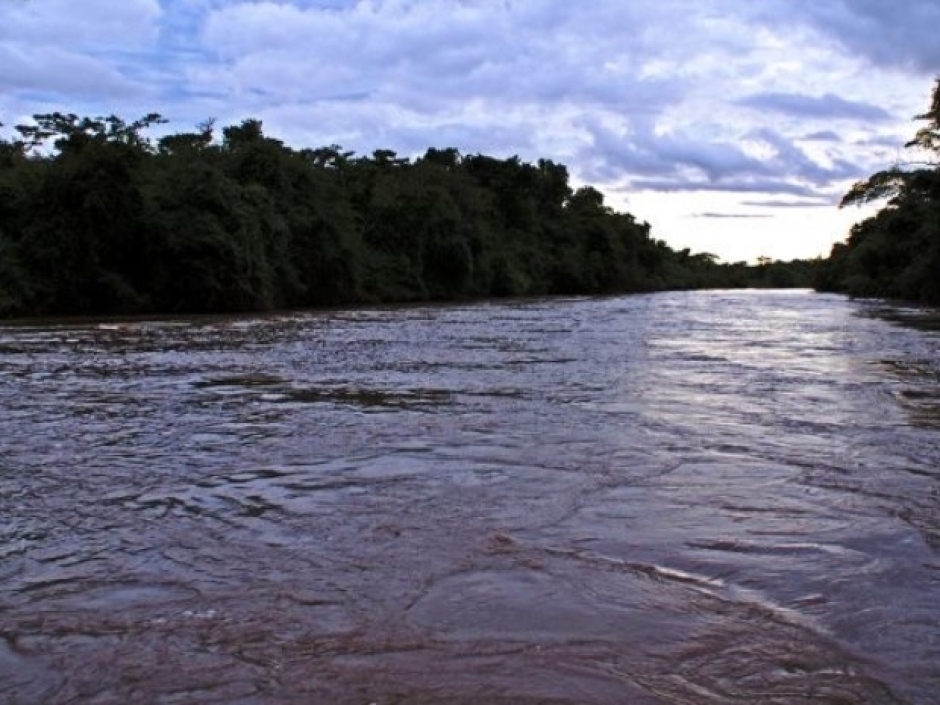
(689, 498)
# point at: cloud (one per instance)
(893, 142)
(828, 106)
(740, 186)
(52, 50)
(759, 161)
(822, 136)
(101, 24)
(819, 202)
(56, 71)
(778, 98)
(720, 216)
(427, 55)
(792, 160)
(641, 150)
(469, 128)
(892, 34)
(502, 78)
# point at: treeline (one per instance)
(895, 253)
(98, 218)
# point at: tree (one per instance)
(97, 218)
(896, 252)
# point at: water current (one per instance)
(681, 498)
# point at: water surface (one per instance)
(689, 498)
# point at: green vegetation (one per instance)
(895, 253)
(97, 218)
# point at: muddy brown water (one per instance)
(686, 498)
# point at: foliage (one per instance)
(896, 252)
(98, 218)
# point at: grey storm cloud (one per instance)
(897, 34)
(692, 163)
(645, 153)
(822, 136)
(790, 158)
(828, 106)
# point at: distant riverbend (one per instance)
(696, 498)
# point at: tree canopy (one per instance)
(896, 252)
(97, 217)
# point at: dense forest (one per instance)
(98, 218)
(895, 253)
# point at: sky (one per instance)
(733, 127)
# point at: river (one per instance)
(679, 498)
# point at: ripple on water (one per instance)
(519, 605)
(79, 593)
(24, 679)
(685, 498)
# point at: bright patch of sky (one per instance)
(732, 127)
